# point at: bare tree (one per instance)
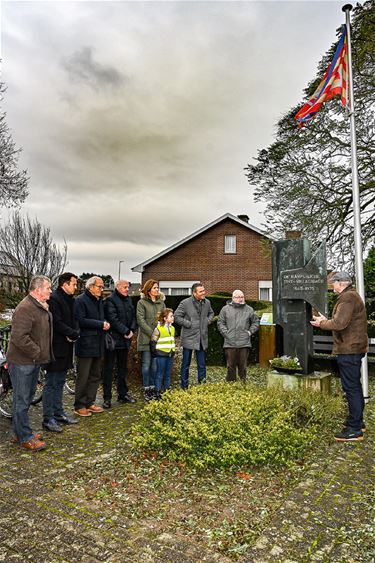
(30, 250)
(13, 182)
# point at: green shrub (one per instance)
(231, 424)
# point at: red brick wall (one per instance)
(203, 258)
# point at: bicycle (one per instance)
(69, 384)
(6, 393)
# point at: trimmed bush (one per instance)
(231, 424)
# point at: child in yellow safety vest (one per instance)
(163, 347)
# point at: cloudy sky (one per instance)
(136, 119)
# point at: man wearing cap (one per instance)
(350, 344)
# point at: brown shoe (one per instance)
(33, 445)
(95, 408)
(83, 412)
(37, 436)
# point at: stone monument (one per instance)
(299, 283)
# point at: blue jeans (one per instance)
(52, 394)
(350, 372)
(148, 369)
(24, 381)
(200, 356)
(163, 372)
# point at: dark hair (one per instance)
(148, 286)
(65, 278)
(195, 285)
(162, 315)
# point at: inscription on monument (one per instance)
(308, 283)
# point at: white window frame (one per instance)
(166, 286)
(265, 284)
(230, 244)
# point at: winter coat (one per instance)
(89, 312)
(348, 324)
(120, 313)
(65, 326)
(147, 311)
(31, 336)
(194, 316)
(237, 323)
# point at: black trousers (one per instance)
(89, 374)
(236, 359)
(120, 357)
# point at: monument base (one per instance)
(317, 381)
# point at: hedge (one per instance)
(235, 425)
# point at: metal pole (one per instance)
(119, 268)
(355, 189)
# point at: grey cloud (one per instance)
(82, 68)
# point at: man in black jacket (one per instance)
(119, 312)
(65, 333)
(89, 312)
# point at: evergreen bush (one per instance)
(232, 424)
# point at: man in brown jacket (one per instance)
(350, 343)
(30, 346)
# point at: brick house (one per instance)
(226, 254)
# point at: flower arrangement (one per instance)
(286, 362)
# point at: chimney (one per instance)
(244, 218)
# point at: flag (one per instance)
(334, 83)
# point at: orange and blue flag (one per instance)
(334, 83)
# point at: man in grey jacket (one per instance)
(237, 323)
(194, 314)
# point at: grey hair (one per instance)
(240, 290)
(38, 281)
(91, 281)
(120, 282)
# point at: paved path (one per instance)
(323, 509)
(41, 520)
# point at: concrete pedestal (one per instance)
(318, 381)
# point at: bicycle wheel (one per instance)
(6, 394)
(70, 383)
(38, 395)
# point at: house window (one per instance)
(265, 290)
(230, 244)
(176, 287)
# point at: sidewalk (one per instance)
(42, 519)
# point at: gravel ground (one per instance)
(50, 510)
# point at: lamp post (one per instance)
(119, 268)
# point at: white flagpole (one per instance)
(355, 189)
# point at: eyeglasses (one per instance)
(99, 286)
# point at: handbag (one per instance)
(109, 342)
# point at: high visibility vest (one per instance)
(165, 342)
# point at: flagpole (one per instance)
(355, 189)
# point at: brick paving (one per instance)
(42, 521)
